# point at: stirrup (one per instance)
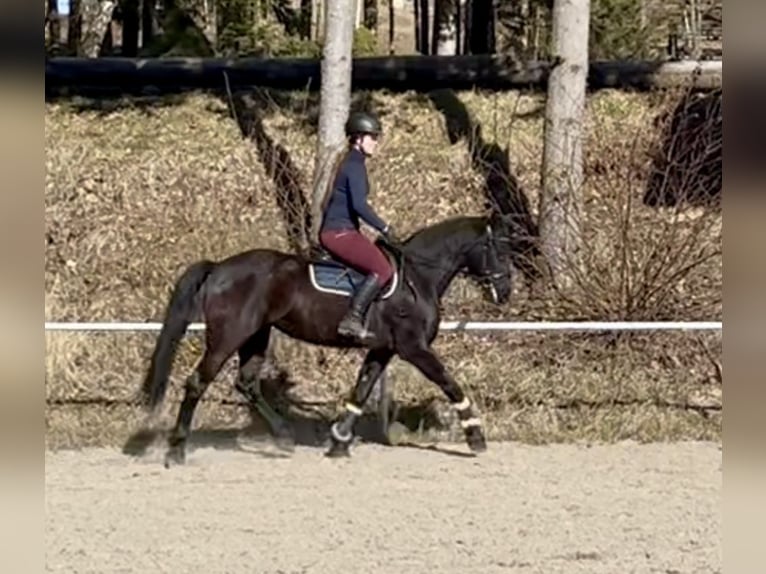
(356, 330)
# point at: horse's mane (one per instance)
(445, 229)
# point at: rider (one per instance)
(340, 234)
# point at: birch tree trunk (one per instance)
(95, 16)
(445, 27)
(335, 100)
(562, 170)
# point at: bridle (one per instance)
(487, 277)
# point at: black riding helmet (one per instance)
(360, 123)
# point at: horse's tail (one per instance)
(180, 311)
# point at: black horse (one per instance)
(242, 297)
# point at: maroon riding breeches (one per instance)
(354, 249)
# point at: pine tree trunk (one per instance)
(148, 22)
(391, 27)
(74, 27)
(131, 25)
(562, 173)
(371, 15)
(335, 100)
(306, 9)
(52, 21)
(422, 25)
(481, 35)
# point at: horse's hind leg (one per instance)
(252, 356)
(423, 357)
(196, 385)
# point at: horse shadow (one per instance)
(305, 105)
(255, 438)
(503, 190)
(279, 166)
(309, 425)
(248, 108)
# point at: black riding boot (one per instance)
(352, 324)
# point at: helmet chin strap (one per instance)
(358, 146)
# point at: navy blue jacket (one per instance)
(348, 199)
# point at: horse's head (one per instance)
(476, 247)
(486, 260)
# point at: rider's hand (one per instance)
(391, 236)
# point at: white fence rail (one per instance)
(444, 326)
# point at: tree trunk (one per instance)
(306, 10)
(317, 19)
(421, 26)
(511, 33)
(391, 27)
(371, 15)
(95, 16)
(335, 100)
(203, 14)
(74, 27)
(481, 35)
(148, 22)
(445, 27)
(396, 74)
(131, 25)
(460, 21)
(562, 173)
(535, 33)
(53, 22)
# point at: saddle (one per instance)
(329, 275)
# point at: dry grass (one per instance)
(134, 194)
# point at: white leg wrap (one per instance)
(462, 405)
(472, 422)
(352, 408)
(337, 434)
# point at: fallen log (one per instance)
(396, 74)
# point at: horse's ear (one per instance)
(496, 219)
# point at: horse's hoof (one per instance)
(139, 442)
(175, 457)
(395, 433)
(285, 441)
(338, 450)
(476, 441)
(478, 446)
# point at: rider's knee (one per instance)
(385, 274)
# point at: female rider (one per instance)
(339, 232)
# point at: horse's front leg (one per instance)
(342, 431)
(426, 360)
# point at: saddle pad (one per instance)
(339, 280)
